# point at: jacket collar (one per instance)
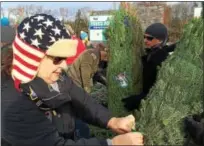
(41, 88)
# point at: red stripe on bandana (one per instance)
(16, 57)
(26, 53)
(15, 67)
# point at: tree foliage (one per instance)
(177, 93)
(125, 41)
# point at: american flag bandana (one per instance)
(34, 36)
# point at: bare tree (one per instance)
(55, 13)
(85, 11)
(11, 11)
(64, 13)
(13, 15)
(183, 10)
(47, 11)
(181, 13)
(72, 13)
(39, 9)
(32, 10)
(27, 11)
(20, 10)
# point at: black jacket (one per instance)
(25, 124)
(100, 75)
(151, 61)
(194, 126)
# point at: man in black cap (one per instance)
(155, 39)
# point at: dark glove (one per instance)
(103, 64)
(98, 77)
(133, 102)
(170, 48)
(195, 127)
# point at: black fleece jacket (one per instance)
(151, 61)
(24, 124)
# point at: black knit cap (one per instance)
(157, 30)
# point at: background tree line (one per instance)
(78, 19)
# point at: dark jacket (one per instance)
(100, 75)
(25, 124)
(194, 126)
(151, 61)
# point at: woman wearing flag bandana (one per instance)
(40, 102)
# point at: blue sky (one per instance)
(70, 5)
(56, 5)
(53, 5)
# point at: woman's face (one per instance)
(50, 68)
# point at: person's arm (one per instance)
(83, 104)
(92, 141)
(86, 107)
(30, 127)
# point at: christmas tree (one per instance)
(125, 42)
(177, 92)
(124, 74)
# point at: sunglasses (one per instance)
(149, 38)
(57, 60)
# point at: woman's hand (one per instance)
(132, 138)
(122, 125)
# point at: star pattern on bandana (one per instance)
(52, 39)
(22, 35)
(39, 18)
(48, 23)
(56, 30)
(35, 42)
(39, 33)
(26, 26)
(42, 30)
